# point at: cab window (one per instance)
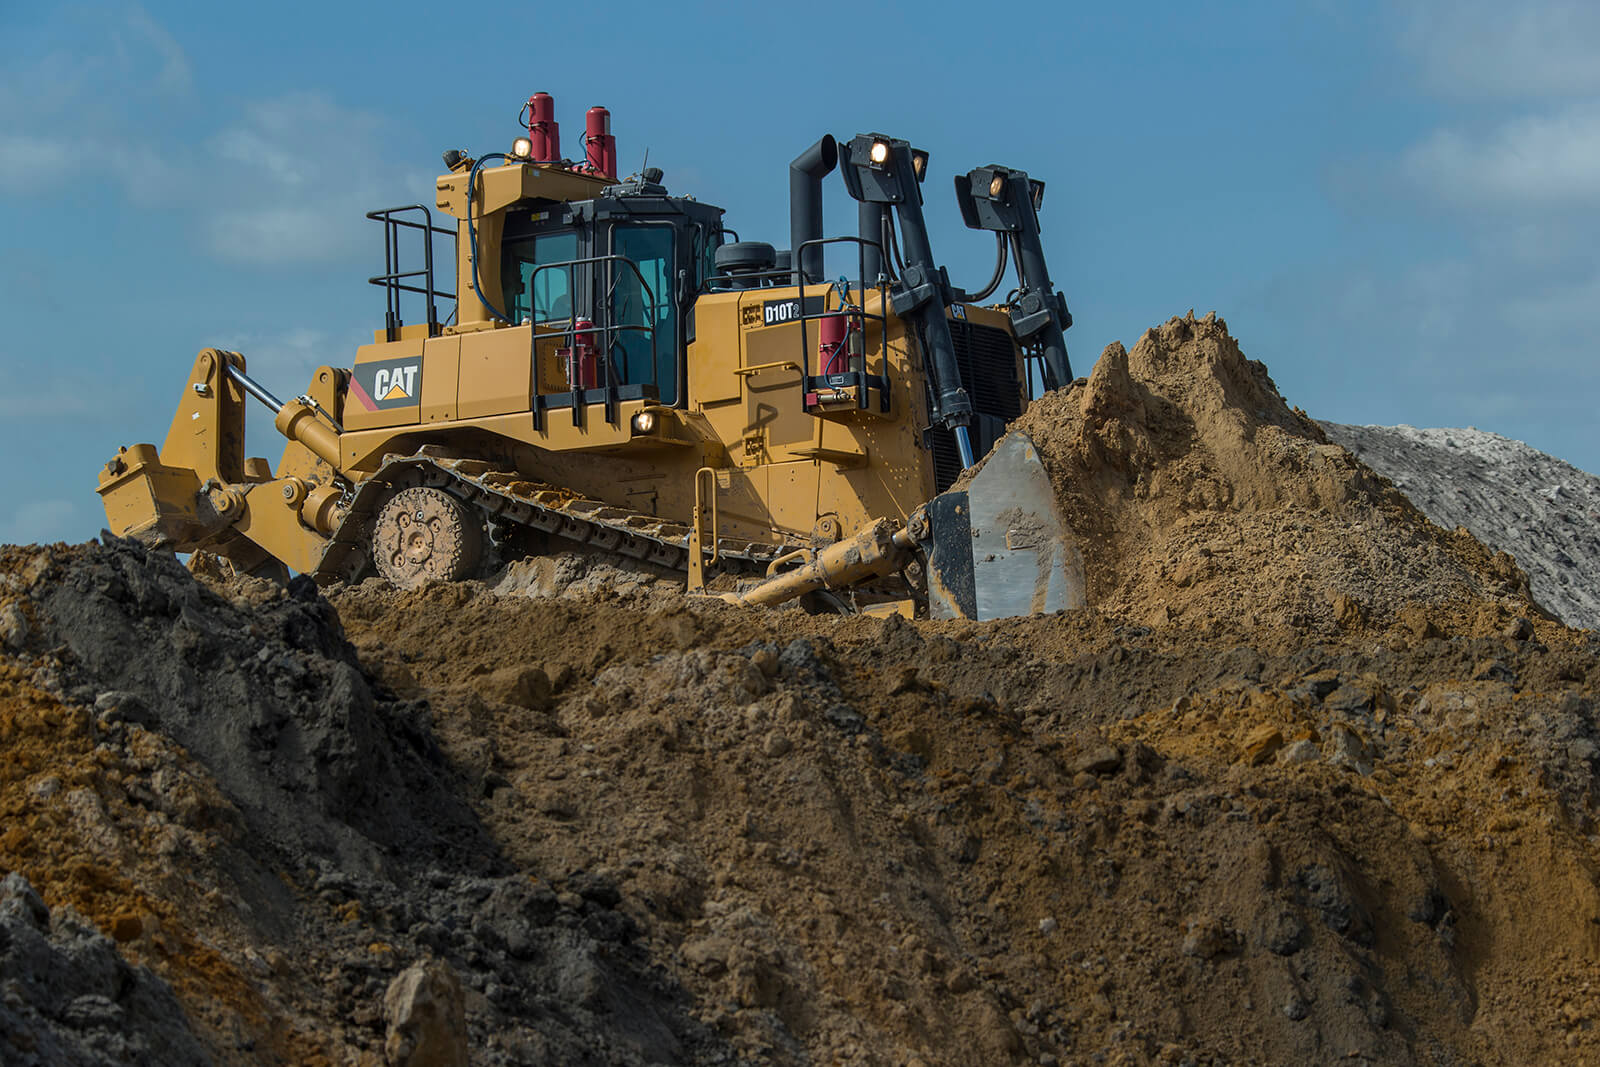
(549, 299)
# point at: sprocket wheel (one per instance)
(426, 535)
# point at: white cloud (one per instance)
(41, 522)
(284, 180)
(1530, 161)
(1494, 48)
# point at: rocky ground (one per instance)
(1313, 780)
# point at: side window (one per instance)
(710, 240)
(550, 297)
(652, 305)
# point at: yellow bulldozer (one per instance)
(622, 372)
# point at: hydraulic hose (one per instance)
(472, 238)
(1002, 256)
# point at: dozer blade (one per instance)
(999, 548)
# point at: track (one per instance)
(508, 497)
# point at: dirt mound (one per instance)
(881, 842)
(213, 781)
(1323, 792)
(1201, 499)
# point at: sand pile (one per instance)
(1203, 500)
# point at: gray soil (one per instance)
(1514, 498)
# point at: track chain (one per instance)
(511, 498)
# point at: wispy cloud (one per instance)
(287, 358)
(256, 189)
(24, 157)
(146, 33)
(1537, 48)
(1549, 159)
(280, 205)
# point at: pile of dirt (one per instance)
(209, 777)
(1201, 499)
(1221, 816)
(1539, 509)
(1054, 839)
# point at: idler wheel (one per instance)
(426, 535)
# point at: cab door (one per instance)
(643, 305)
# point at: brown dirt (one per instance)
(1199, 495)
(1312, 781)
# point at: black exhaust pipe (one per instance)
(805, 205)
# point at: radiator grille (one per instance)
(987, 360)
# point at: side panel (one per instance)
(770, 338)
(496, 372)
(714, 354)
(386, 386)
(441, 370)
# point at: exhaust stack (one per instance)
(805, 204)
(543, 130)
(599, 146)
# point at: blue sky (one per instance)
(1395, 206)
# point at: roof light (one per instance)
(919, 163)
(997, 185)
(521, 149)
(880, 153)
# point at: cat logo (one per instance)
(388, 383)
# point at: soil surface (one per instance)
(1312, 780)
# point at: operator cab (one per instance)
(617, 274)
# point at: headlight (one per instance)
(919, 163)
(879, 153)
(997, 185)
(521, 148)
(644, 422)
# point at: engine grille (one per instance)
(987, 360)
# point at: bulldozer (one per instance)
(622, 371)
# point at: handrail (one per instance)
(697, 560)
(860, 313)
(391, 278)
(782, 364)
